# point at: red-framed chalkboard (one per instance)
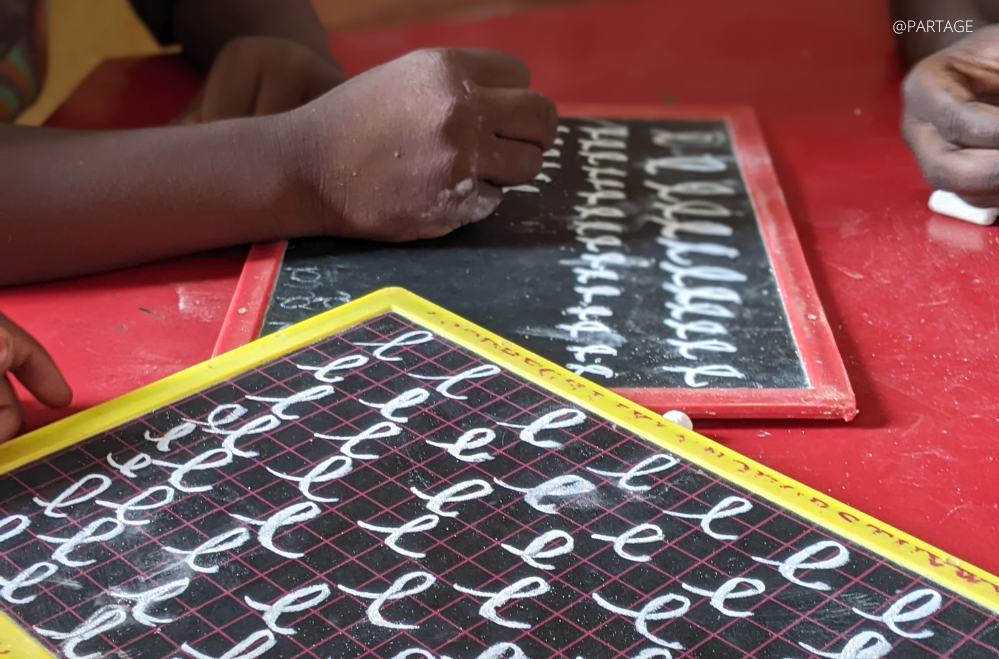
(709, 270)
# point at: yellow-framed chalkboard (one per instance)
(389, 480)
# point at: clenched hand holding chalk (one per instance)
(951, 123)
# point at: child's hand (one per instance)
(31, 365)
(255, 76)
(951, 121)
(420, 146)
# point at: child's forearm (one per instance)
(74, 203)
(356, 163)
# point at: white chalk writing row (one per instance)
(699, 292)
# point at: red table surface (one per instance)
(913, 298)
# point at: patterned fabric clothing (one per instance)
(24, 47)
(23, 50)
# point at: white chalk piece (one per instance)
(948, 203)
(679, 418)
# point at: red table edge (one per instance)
(829, 395)
(248, 307)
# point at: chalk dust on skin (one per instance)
(463, 203)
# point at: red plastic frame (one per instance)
(829, 395)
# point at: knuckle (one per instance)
(422, 55)
(924, 90)
(458, 113)
(455, 94)
(434, 59)
(452, 111)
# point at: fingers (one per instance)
(952, 132)
(490, 68)
(950, 101)
(523, 115)
(292, 75)
(10, 411)
(969, 173)
(21, 355)
(524, 125)
(509, 162)
(33, 367)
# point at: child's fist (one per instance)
(422, 145)
(951, 120)
(27, 360)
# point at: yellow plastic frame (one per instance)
(973, 583)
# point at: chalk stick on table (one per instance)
(948, 203)
(679, 418)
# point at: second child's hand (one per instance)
(256, 76)
(951, 118)
(24, 358)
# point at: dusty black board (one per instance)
(391, 481)
(524, 271)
